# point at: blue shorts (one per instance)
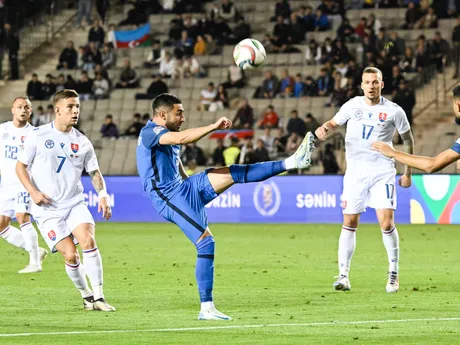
(187, 209)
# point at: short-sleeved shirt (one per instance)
(56, 160)
(367, 124)
(456, 146)
(11, 144)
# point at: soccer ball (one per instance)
(249, 53)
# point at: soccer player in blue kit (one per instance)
(181, 199)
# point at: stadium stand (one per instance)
(117, 156)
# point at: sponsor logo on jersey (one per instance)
(370, 115)
(358, 114)
(49, 144)
(267, 198)
(74, 148)
(23, 138)
(382, 117)
(52, 235)
(5, 136)
(62, 145)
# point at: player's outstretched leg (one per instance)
(84, 233)
(262, 171)
(204, 272)
(36, 254)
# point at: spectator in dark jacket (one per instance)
(218, 154)
(134, 128)
(269, 88)
(109, 129)
(49, 87)
(128, 77)
(283, 9)
(261, 153)
(329, 160)
(69, 56)
(244, 117)
(405, 98)
(96, 34)
(11, 38)
(193, 152)
(157, 87)
(296, 124)
(35, 88)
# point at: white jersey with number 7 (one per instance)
(56, 160)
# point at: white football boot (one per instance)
(35, 268)
(393, 282)
(213, 314)
(102, 305)
(342, 283)
(303, 152)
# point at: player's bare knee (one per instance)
(351, 220)
(4, 222)
(387, 224)
(87, 242)
(22, 218)
(71, 256)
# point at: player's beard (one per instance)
(172, 127)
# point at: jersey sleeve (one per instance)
(401, 123)
(343, 115)
(151, 136)
(91, 162)
(456, 146)
(27, 154)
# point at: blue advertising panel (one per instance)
(284, 199)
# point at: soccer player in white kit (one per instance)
(428, 164)
(14, 199)
(370, 177)
(56, 154)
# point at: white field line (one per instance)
(212, 328)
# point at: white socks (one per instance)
(31, 243)
(14, 236)
(207, 305)
(391, 242)
(93, 268)
(76, 273)
(347, 245)
(289, 163)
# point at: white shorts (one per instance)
(14, 200)
(368, 188)
(55, 225)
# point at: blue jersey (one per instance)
(158, 165)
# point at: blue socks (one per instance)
(256, 172)
(204, 270)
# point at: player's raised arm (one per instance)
(193, 134)
(427, 164)
(338, 120)
(322, 131)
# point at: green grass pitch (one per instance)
(279, 276)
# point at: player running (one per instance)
(14, 199)
(370, 177)
(427, 164)
(56, 155)
(181, 199)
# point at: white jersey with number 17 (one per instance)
(56, 160)
(367, 124)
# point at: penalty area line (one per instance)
(212, 328)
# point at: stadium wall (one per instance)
(290, 199)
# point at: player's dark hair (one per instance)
(456, 92)
(64, 94)
(25, 98)
(165, 100)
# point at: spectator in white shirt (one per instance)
(191, 68)
(167, 66)
(269, 140)
(111, 36)
(207, 96)
(101, 87)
